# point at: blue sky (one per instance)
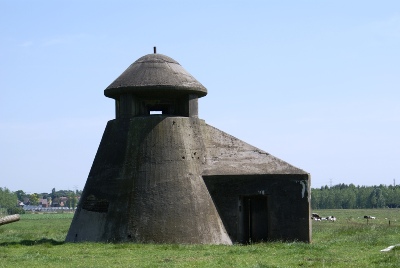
(315, 83)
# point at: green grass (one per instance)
(37, 240)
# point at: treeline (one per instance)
(12, 202)
(351, 197)
(58, 198)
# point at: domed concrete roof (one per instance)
(155, 74)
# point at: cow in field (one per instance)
(331, 218)
(315, 217)
(370, 217)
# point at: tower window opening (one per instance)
(156, 112)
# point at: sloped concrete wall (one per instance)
(145, 185)
(227, 155)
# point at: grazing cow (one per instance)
(315, 216)
(370, 217)
(331, 218)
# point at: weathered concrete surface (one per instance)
(287, 210)
(9, 219)
(227, 155)
(145, 185)
(234, 169)
(155, 74)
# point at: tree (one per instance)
(20, 195)
(53, 193)
(316, 199)
(34, 199)
(380, 198)
(72, 200)
(362, 197)
(8, 199)
(350, 196)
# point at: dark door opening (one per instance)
(254, 219)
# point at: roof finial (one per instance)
(155, 50)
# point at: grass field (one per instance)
(37, 240)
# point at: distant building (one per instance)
(63, 200)
(43, 203)
(163, 175)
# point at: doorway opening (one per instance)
(254, 218)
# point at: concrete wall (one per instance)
(170, 179)
(288, 204)
(145, 185)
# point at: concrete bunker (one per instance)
(256, 208)
(171, 178)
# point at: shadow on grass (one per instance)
(33, 242)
